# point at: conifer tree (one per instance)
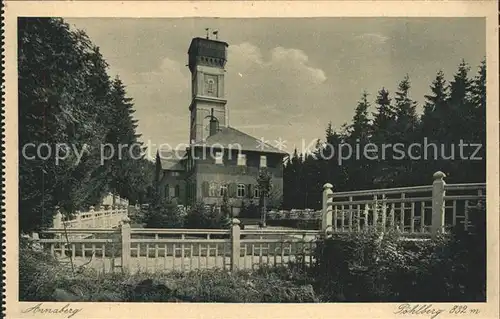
(65, 98)
(458, 124)
(436, 109)
(358, 166)
(382, 133)
(396, 121)
(460, 103)
(383, 119)
(404, 133)
(478, 123)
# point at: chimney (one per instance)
(214, 124)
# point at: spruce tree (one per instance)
(358, 166)
(459, 128)
(382, 133)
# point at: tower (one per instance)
(207, 59)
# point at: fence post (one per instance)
(78, 219)
(125, 235)
(326, 221)
(235, 244)
(438, 193)
(57, 219)
(102, 217)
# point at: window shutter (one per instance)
(204, 187)
(250, 191)
(232, 190)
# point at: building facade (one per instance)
(220, 159)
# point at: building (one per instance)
(220, 159)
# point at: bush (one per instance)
(207, 216)
(221, 286)
(250, 210)
(38, 272)
(216, 285)
(163, 214)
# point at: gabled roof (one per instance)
(231, 138)
(171, 159)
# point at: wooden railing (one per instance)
(152, 250)
(414, 211)
(96, 248)
(301, 214)
(275, 247)
(104, 217)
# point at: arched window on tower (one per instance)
(210, 86)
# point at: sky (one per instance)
(286, 78)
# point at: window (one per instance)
(241, 190)
(167, 191)
(210, 86)
(212, 190)
(263, 161)
(223, 190)
(242, 160)
(177, 191)
(218, 158)
(175, 174)
(256, 192)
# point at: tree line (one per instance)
(453, 119)
(69, 108)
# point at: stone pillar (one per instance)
(326, 220)
(57, 219)
(125, 236)
(235, 244)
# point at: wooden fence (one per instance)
(148, 250)
(414, 211)
(104, 217)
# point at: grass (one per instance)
(44, 279)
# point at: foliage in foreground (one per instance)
(372, 266)
(42, 279)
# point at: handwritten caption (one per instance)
(65, 310)
(431, 311)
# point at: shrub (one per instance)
(215, 285)
(375, 266)
(207, 216)
(163, 214)
(38, 272)
(250, 210)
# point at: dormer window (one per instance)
(242, 159)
